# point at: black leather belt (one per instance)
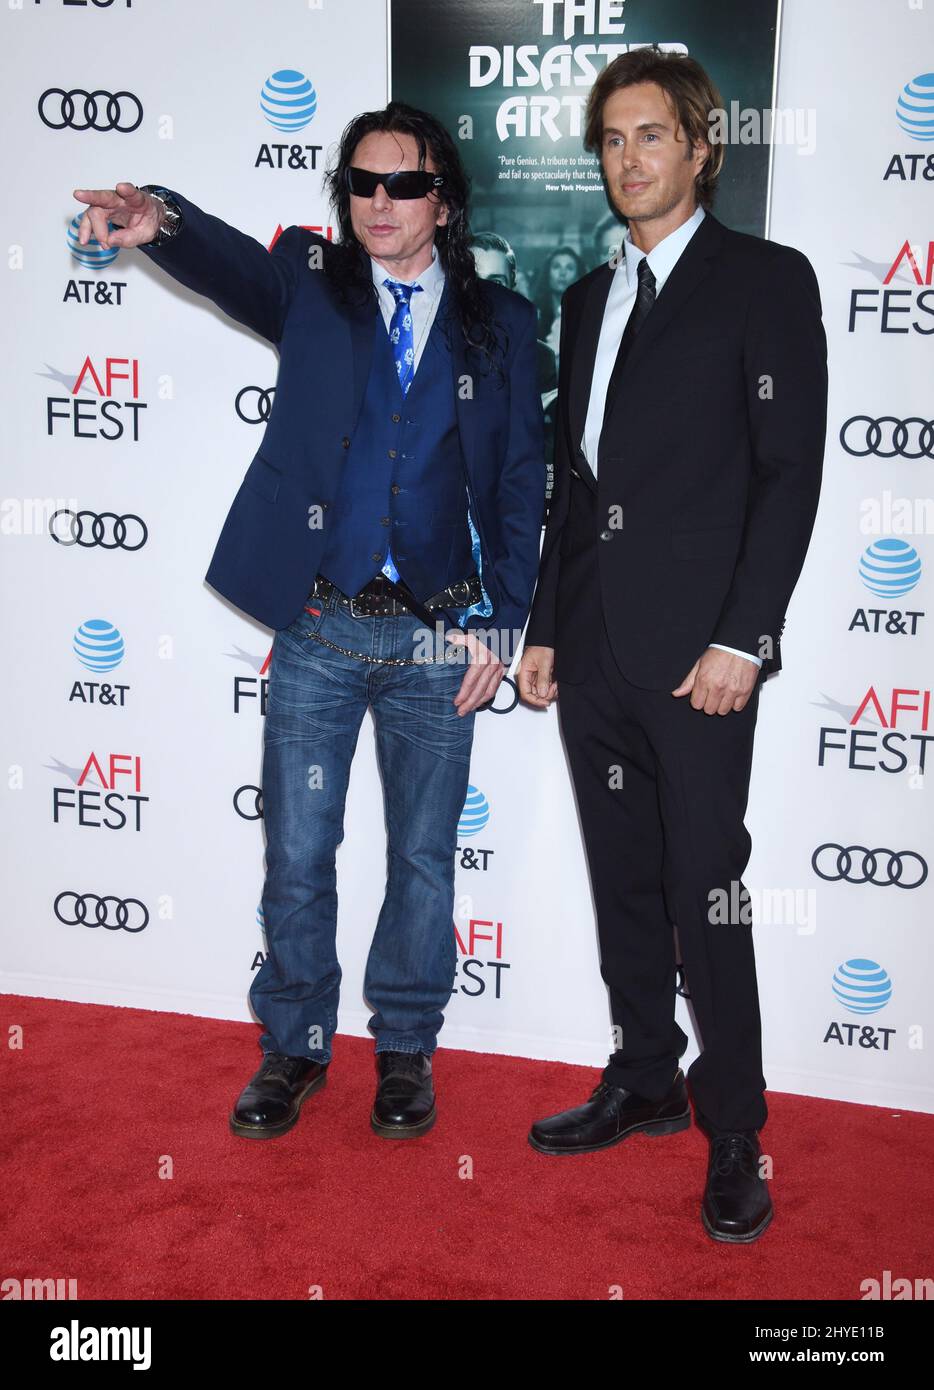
(381, 597)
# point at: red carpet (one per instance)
(99, 1096)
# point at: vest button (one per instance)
(345, 442)
(376, 556)
(606, 535)
(384, 521)
(392, 453)
(396, 419)
(396, 488)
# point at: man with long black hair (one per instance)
(387, 528)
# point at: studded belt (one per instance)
(376, 599)
(382, 598)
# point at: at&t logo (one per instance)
(914, 112)
(862, 987)
(289, 102)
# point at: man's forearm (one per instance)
(235, 271)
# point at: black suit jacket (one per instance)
(709, 468)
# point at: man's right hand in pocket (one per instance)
(535, 677)
(138, 215)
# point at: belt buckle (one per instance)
(353, 612)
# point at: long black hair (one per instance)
(350, 267)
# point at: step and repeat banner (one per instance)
(133, 702)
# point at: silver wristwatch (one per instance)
(172, 218)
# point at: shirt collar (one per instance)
(663, 257)
(431, 278)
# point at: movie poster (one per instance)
(510, 80)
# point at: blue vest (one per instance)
(403, 481)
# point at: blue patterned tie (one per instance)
(403, 351)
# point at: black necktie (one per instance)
(645, 298)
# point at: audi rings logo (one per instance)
(248, 802)
(89, 910)
(856, 864)
(91, 528)
(254, 411)
(506, 697)
(888, 437)
(97, 110)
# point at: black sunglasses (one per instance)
(404, 183)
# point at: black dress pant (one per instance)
(661, 790)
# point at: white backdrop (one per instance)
(180, 722)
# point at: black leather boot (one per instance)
(405, 1100)
(737, 1206)
(272, 1100)
(612, 1114)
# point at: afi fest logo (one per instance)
(898, 311)
(116, 801)
(896, 739)
(103, 401)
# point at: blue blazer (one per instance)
(268, 554)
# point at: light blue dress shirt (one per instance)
(662, 260)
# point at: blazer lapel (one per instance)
(583, 356)
(361, 320)
(691, 269)
(466, 410)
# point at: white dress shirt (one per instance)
(662, 260)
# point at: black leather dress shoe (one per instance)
(405, 1100)
(612, 1114)
(271, 1101)
(737, 1206)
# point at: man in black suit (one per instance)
(689, 447)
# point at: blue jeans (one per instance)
(316, 701)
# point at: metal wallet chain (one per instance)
(378, 660)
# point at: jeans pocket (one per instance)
(308, 622)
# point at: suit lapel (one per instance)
(466, 409)
(583, 356)
(691, 269)
(361, 320)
